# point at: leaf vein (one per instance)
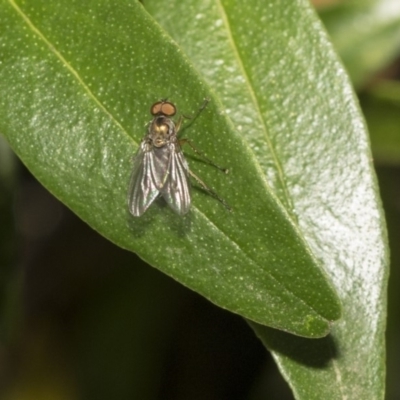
(256, 104)
(73, 71)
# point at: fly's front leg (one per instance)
(202, 107)
(179, 124)
(192, 118)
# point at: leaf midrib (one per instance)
(255, 103)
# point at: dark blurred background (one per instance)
(92, 321)
(83, 319)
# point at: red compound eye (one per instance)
(163, 108)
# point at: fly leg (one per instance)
(184, 141)
(192, 118)
(210, 191)
(200, 154)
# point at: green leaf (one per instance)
(366, 34)
(77, 80)
(275, 70)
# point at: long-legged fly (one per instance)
(160, 168)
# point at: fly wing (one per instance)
(147, 178)
(176, 189)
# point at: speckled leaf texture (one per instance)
(76, 83)
(285, 90)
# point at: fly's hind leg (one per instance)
(210, 191)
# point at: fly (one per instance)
(160, 168)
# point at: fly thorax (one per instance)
(161, 130)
